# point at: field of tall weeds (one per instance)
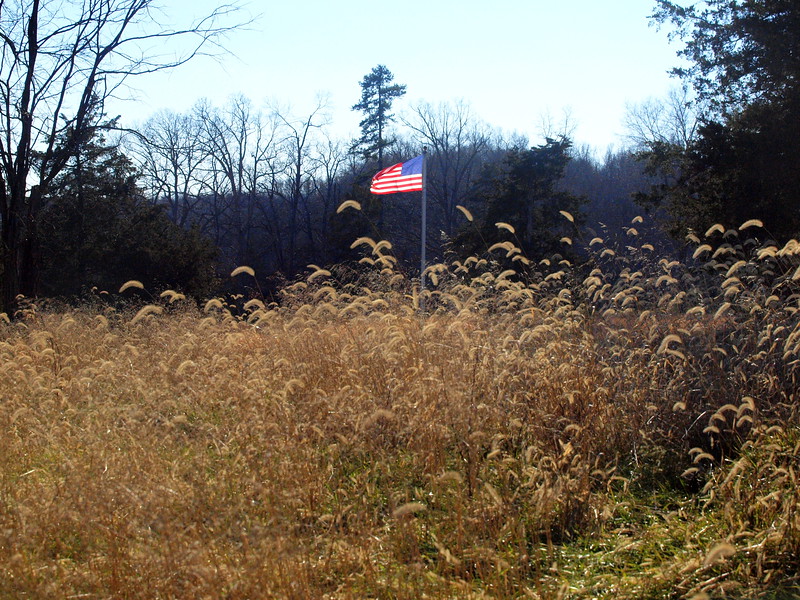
(619, 426)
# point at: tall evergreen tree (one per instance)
(744, 65)
(744, 167)
(377, 95)
(738, 51)
(525, 193)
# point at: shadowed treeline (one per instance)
(625, 431)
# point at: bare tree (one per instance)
(458, 144)
(60, 60)
(330, 160)
(551, 128)
(672, 120)
(171, 154)
(242, 145)
(298, 146)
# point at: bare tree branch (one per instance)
(60, 60)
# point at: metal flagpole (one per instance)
(424, 232)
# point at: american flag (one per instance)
(402, 177)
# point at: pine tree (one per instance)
(524, 192)
(377, 94)
(744, 163)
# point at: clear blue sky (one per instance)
(512, 61)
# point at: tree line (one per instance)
(189, 196)
(264, 185)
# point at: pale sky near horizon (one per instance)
(514, 62)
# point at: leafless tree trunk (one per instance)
(672, 120)
(330, 160)
(457, 143)
(172, 157)
(59, 62)
(241, 144)
(298, 146)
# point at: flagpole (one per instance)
(424, 232)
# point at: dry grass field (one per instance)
(626, 429)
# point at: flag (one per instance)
(402, 177)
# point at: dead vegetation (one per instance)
(626, 429)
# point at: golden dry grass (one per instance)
(628, 430)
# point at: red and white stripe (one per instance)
(391, 180)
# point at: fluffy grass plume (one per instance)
(133, 283)
(348, 204)
(467, 214)
(243, 269)
(623, 429)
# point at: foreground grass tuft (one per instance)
(623, 430)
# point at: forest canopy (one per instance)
(236, 184)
